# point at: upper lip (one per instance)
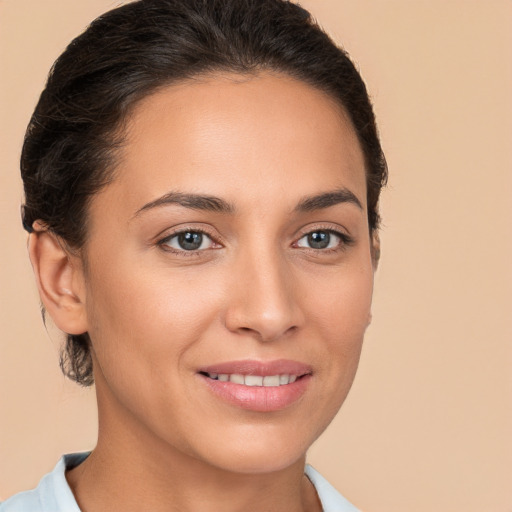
(263, 368)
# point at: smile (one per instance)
(254, 380)
(257, 385)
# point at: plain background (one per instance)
(428, 424)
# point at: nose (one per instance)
(263, 297)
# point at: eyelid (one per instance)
(332, 228)
(162, 239)
(345, 238)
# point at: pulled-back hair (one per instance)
(76, 131)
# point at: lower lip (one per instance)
(259, 398)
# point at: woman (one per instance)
(202, 183)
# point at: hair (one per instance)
(76, 131)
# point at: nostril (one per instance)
(267, 333)
(266, 316)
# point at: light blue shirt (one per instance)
(53, 493)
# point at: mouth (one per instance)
(269, 381)
(258, 386)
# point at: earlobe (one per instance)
(58, 276)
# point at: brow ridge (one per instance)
(218, 205)
(192, 201)
(327, 199)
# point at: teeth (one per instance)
(271, 380)
(236, 378)
(254, 380)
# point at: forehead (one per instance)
(240, 137)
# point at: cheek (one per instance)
(343, 305)
(143, 330)
(339, 310)
(145, 313)
(340, 313)
(142, 318)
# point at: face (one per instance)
(229, 272)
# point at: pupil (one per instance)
(319, 239)
(190, 241)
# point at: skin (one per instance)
(257, 291)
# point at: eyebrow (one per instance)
(218, 205)
(192, 201)
(327, 199)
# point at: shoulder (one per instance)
(28, 501)
(331, 499)
(51, 495)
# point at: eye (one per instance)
(320, 239)
(188, 241)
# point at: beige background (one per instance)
(428, 424)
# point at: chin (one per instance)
(258, 450)
(260, 462)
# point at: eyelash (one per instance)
(182, 252)
(345, 241)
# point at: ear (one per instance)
(59, 278)
(375, 249)
(375, 254)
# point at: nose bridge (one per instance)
(263, 299)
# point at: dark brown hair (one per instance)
(69, 152)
